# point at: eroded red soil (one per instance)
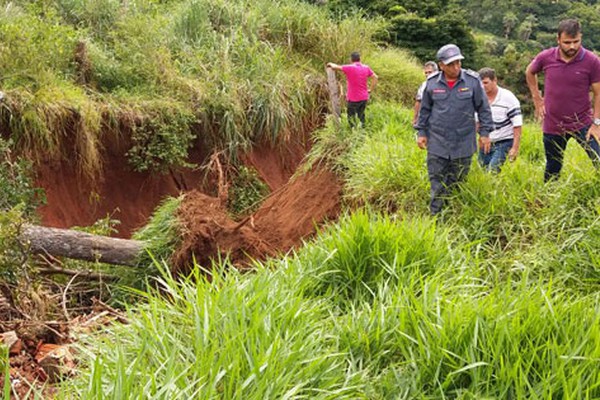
(286, 217)
(117, 191)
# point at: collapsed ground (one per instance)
(298, 202)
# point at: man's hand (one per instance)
(540, 110)
(485, 144)
(422, 142)
(594, 132)
(513, 153)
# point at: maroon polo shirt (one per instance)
(567, 89)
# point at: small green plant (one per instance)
(19, 199)
(13, 256)
(246, 192)
(161, 143)
(5, 368)
(16, 182)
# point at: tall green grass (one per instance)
(374, 308)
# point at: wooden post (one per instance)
(81, 245)
(334, 94)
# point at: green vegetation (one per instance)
(496, 298)
(504, 35)
(167, 75)
(18, 201)
(246, 193)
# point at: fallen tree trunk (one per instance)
(81, 245)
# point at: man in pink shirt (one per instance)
(357, 93)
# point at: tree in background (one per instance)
(418, 25)
(509, 21)
(424, 36)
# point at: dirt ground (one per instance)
(287, 216)
(39, 350)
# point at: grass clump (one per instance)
(363, 253)
(162, 238)
(239, 336)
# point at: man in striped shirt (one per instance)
(506, 113)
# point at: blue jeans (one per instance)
(555, 145)
(493, 160)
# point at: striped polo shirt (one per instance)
(506, 113)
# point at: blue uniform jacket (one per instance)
(447, 116)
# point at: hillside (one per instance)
(196, 113)
(139, 95)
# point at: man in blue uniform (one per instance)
(447, 126)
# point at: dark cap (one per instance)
(449, 53)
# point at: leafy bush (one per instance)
(161, 142)
(16, 183)
(246, 192)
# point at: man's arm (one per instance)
(418, 98)
(373, 79)
(594, 130)
(424, 112)
(334, 66)
(416, 112)
(484, 115)
(538, 100)
(514, 151)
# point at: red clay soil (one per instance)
(276, 164)
(294, 211)
(119, 192)
(208, 232)
(289, 215)
(131, 197)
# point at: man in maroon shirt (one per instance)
(566, 110)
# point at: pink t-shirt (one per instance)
(357, 75)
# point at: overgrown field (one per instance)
(496, 298)
(164, 76)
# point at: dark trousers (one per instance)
(555, 145)
(444, 174)
(356, 109)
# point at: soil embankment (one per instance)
(117, 191)
(288, 215)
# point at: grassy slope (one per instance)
(495, 299)
(77, 72)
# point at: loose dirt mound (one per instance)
(294, 211)
(287, 216)
(208, 232)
